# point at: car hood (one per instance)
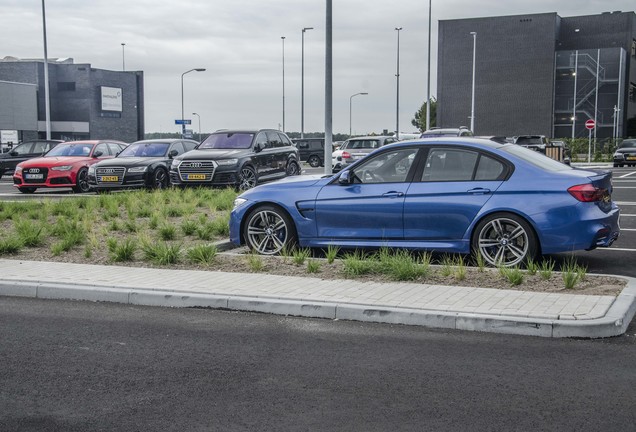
(131, 161)
(626, 150)
(213, 154)
(55, 161)
(301, 183)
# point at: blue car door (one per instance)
(455, 185)
(371, 206)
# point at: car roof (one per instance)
(245, 130)
(163, 140)
(370, 137)
(470, 141)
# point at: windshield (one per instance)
(628, 144)
(535, 158)
(156, 149)
(71, 150)
(229, 140)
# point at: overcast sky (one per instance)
(239, 43)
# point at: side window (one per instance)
(388, 167)
(178, 146)
(261, 140)
(449, 165)
(489, 169)
(274, 140)
(39, 147)
(24, 149)
(285, 140)
(103, 147)
(302, 144)
(114, 148)
(189, 145)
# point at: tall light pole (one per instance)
(123, 57)
(182, 115)
(428, 74)
(328, 87)
(302, 83)
(199, 117)
(472, 102)
(397, 93)
(283, 39)
(350, 99)
(47, 102)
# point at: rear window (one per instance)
(535, 158)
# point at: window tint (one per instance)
(274, 139)
(302, 144)
(489, 169)
(388, 167)
(261, 140)
(285, 140)
(189, 145)
(103, 147)
(23, 149)
(449, 165)
(114, 148)
(363, 144)
(535, 158)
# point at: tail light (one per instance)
(588, 193)
(346, 155)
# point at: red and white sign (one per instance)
(590, 124)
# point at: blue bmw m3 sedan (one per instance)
(459, 195)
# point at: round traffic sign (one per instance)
(590, 124)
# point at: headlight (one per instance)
(227, 162)
(137, 169)
(239, 202)
(175, 163)
(91, 170)
(62, 168)
(18, 169)
(618, 155)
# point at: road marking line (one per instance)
(628, 215)
(626, 203)
(618, 249)
(628, 174)
(624, 187)
(628, 229)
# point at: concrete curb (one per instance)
(614, 323)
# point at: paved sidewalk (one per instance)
(480, 309)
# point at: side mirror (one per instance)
(345, 178)
(13, 153)
(172, 153)
(258, 148)
(98, 153)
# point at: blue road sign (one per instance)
(183, 122)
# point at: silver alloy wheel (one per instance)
(314, 161)
(292, 169)
(247, 179)
(267, 232)
(503, 241)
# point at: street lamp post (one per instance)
(47, 102)
(350, 99)
(199, 118)
(123, 57)
(472, 102)
(283, 39)
(428, 74)
(302, 84)
(182, 115)
(397, 99)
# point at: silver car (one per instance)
(355, 149)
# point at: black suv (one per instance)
(239, 158)
(311, 150)
(24, 151)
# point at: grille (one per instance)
(110, 171)
(35, 172)
(189, 168)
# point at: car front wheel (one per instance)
(314, 161)
(247, 178)
(81, 183)
(505, 239)
(293, 168)
(268, 230)
(160, 179)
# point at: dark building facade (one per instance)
(85, 103)
(540, 74)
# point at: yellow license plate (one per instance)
(631, 157)
(196, 176)
(109, 178)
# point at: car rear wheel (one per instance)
(247, 178)
(293, 168)
(314, 161)
(160, 179)
(269, 230)
(81, 183)
(27, 190)
(505, 239)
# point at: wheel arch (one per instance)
(255, 206)
(526, 218)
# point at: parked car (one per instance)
(453, 195)
(435, 132)
(311, 150)
(141, 164)
(357, 148)
(625, 154)
(532, 142)
(238, 158)
(24, 151)
(66, 165)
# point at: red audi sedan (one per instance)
(64, 166)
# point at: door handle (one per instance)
(479, 191)
(393, 194)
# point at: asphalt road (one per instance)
(79, 366)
